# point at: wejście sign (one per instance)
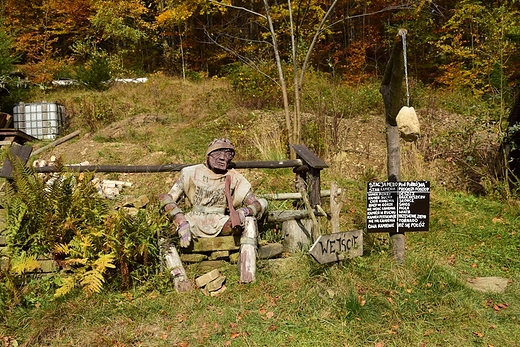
(396, 207)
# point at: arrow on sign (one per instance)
(337, 246)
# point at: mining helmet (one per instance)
(220, 144)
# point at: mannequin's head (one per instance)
(219, 154)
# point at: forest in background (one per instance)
(265, 47)
(451, 43)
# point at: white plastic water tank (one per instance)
(43, 120)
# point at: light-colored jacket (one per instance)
(204, 189)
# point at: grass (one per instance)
(365, 301)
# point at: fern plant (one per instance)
(64, 217)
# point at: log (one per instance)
(169, 167)
(247, 262)
(296, 235)
(57, 142)
(288, 196)
(285, 215)
(174, 265)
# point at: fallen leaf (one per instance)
(235, 335)
(473, 265)
(269, 315)
(184, 344)
(380, 344)
(272, 327)
(227, 343)
(262, 311)
(478, 333)
(232, 325)
(390, 300)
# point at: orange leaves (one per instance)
(495, 306)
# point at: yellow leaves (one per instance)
(90, 280)
(175, 15)
(23, 263)
(104, 262)
(66, 286)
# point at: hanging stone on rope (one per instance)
(408, 124)
(407, 121)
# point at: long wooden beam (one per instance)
(168, 167)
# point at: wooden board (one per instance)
(337, 246)
(22, 152)
(308, 157)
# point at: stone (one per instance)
(283, 266)
(218, 255)
(206, 278)
(47, 265)
(216, 284)
(218, 292)
(208, 265)
(408, 124)
(489, 284)
(193, 257)
(210, 244)
(269, 251)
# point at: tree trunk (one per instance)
(281, 75)
(391, 90)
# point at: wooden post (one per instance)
(308, 182)
(391, 90)
(248, 245)
(336, 202)
(174, 265)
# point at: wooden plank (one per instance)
(288, 196)
(285, 215)
(338, 246)
(308, 157)
(21, 152)
(5, 120)
(210, 244)
(20, 136)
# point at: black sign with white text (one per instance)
(396, 207)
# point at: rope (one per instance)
(403, 35)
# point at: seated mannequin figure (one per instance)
(222, 204)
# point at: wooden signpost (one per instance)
(337, 246)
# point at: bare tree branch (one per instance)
(247, 61)
(218, 3)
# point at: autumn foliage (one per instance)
(468, 43)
